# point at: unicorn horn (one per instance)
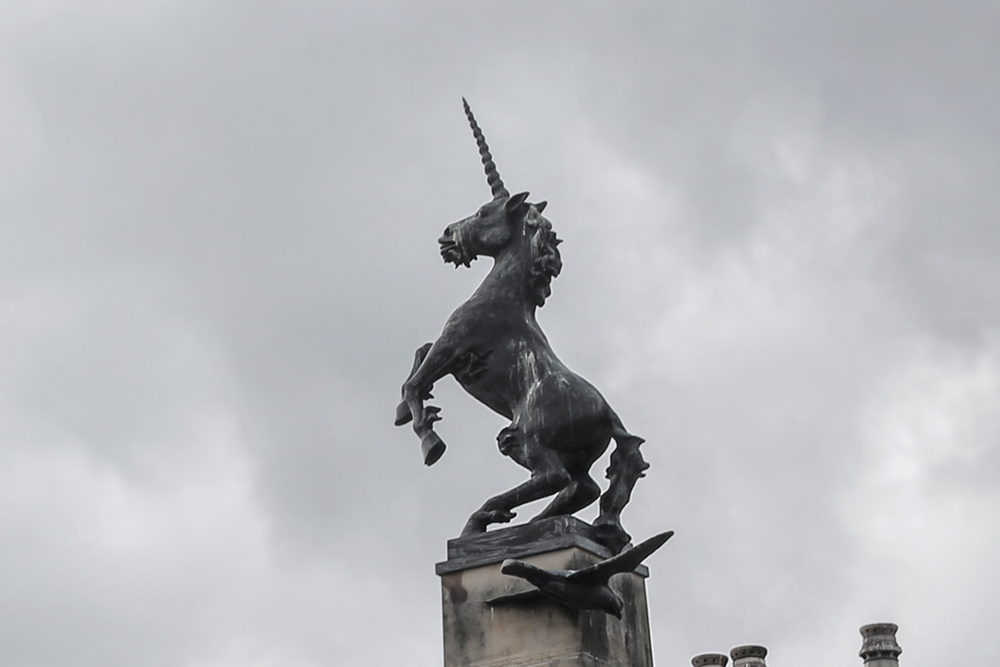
(492, 175)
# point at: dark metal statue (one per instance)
(581, 589)
(560, 424)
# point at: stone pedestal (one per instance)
(537, 632)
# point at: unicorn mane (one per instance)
(546, 261)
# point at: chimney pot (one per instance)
(748, 656)
(710, 660)
(878, 645)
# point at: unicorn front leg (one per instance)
(435, 363)
(403, 414)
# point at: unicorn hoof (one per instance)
(474, 526)
(612, 536)
(501, 516)
(480, 519)
(403, 414)
(432, 447)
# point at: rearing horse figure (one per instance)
(560, 424)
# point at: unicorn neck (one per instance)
(508, 280)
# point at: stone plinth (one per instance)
(536, 632)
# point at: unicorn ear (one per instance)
(515, 202)
(540, 206)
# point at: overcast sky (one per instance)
(217, 256)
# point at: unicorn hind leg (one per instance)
(579, 493)
(548, 477)
(627, 466)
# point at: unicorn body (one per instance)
(493, 346)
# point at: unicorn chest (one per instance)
(472, 365)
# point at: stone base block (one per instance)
(537, 632)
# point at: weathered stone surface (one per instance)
(540, 631)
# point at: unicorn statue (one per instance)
(493, 346)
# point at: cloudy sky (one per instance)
(217, 255)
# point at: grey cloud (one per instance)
(217, 249)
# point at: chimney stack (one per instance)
(751, 656)
(878, 646)
(710, 660)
